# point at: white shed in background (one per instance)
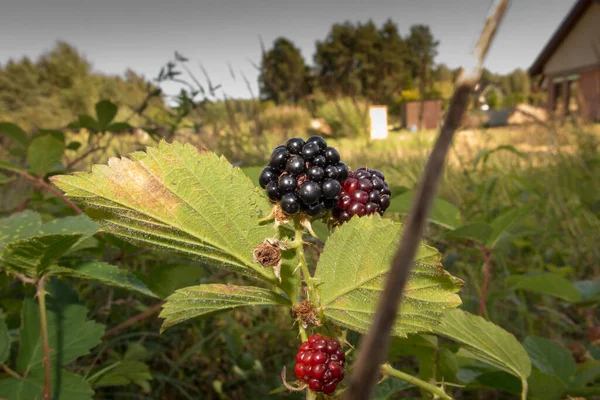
(379, 125)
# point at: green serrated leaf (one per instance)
(4, 341)
(66, 386)
(549, 284)
(486, 342)
(352, 269)
(15, 133)
(105, 113)
(200, 300)
(44, 153)
(70, 335)
(476, 231)
(550, 357)
(503, 223)
(177, 199)
(442, 213)
(104, 273)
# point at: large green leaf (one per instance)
(72, 387)
(442, 213)
(124, 373)
(104, 273)
(70, 335)
(4, 341)
(178, 199)
(486, 342)
(549, 284)
(44, 153)
(14, 132)
(200, 300)
(105, 113)
(550, 357)
(352, 269)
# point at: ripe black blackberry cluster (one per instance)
(304, 176)
(364, 192)
(320, 363)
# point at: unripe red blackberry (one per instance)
(364, 192)
(320, 363)
(304, 176)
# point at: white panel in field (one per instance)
(379, 127)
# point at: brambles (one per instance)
(304, 176)
(320, 363)
(365, 192)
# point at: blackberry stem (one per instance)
(387, 369)
(299, 230)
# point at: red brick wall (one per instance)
(589, 86)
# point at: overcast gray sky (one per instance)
(142, 34)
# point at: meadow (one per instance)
(539, 279)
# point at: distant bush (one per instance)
(345, 117)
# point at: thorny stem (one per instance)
(40, 181)
(486, 278)
(41, 294)
(302, 260)
(437, 391)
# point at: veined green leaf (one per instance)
(104, 273)
(195, 301)
(476, 231)
(180, 200)
(70, 335)
(486, 342)
(18, 226)
(352, 269)
(504, 222)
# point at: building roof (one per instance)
(560, 34)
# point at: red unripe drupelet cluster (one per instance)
(320, 363)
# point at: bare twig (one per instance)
(374, 346)
(487, 264)
(51, 189)
(135, 319)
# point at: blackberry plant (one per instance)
(193, 203)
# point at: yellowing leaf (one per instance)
(177, 199)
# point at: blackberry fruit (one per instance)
(304, 176)
(364, 192)
(320, 363)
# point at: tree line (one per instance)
(356, 60)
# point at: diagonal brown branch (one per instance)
(374, 346)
